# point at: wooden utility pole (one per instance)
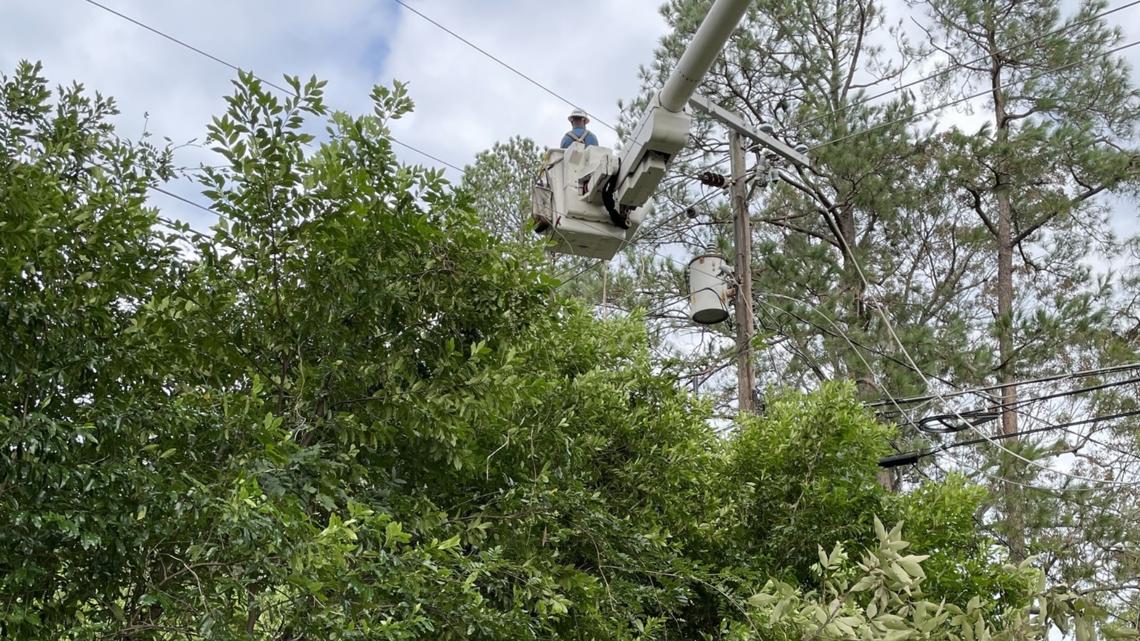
(739, 131)
(742, 238)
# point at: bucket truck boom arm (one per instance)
(664, 127)
(589, 202)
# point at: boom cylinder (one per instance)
(698, 57)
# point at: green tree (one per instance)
(805, 70)
(1062, 114)
(881, 597)
(349, 413)
(81, 258)
(500, 183)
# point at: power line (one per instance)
(188, 201)
(901, 458)
(959, 101)
(946, 70)
(986, 414)
(914, 366)
(1043, 379)
(462, 172)
(183, 43)
(1037, 430)
(854, 343)
(871, 370)
(501, 63)
(838, 332)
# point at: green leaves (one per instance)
(499, 185)
(880, 598)
(353, 413)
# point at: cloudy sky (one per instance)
(586, 50)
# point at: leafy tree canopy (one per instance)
(350, 413)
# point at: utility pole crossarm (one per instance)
(736, 124)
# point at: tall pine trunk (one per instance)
(1014, 518)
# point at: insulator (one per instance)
(712, 179)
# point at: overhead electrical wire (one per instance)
(189, 202)
(502, 63)
(991, 412)
(946, 70)
(841, 333)
(234, 67)
(855, 345)
(914, 366)
(985, 437)
(972, 96)
(1042, 379)
(1038, 430)
(902, 458)
(875, 376)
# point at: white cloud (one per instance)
(179, 89)
(588, 51)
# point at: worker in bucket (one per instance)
(578, 131)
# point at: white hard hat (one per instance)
(578, 113)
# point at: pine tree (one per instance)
(1060, 118)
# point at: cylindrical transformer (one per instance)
(708, 291)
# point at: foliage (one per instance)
(500, 181)
(808, 464)
(79, 260)
(880, 598)
(350, 413)
(943, 524)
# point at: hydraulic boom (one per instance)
(585, 192)
(664, 127)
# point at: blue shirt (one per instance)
(579, 134)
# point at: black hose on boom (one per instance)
(618, 218)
